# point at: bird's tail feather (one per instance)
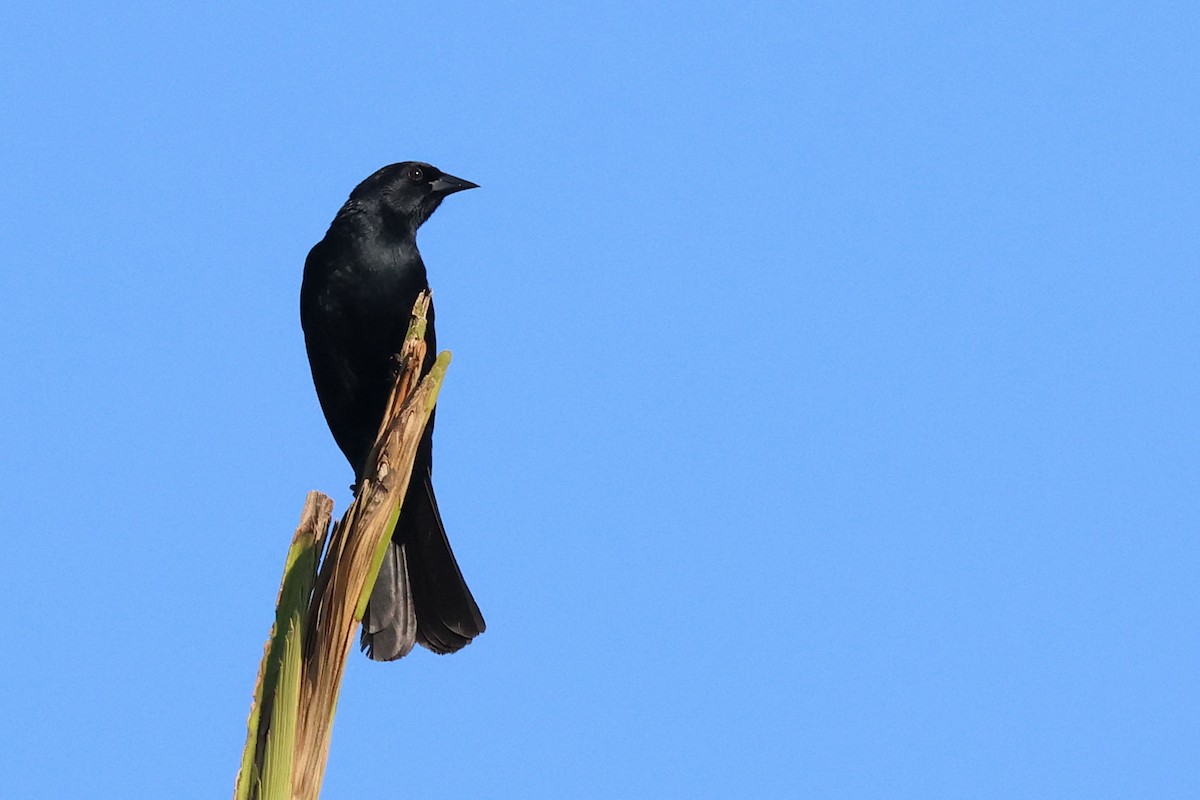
(389, 626)
(420, 596)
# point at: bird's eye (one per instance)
(416, 174)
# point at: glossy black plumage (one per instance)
(360, 283)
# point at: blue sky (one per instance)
(822, 420)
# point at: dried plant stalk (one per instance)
(341, 586)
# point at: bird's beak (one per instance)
(448, 184)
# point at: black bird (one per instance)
(360, 283)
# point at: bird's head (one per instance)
(407, 193)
